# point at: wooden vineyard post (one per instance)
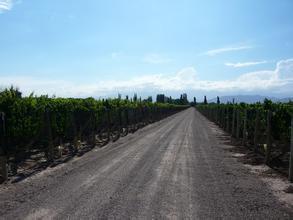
(92, 140)
(3, 159)
(291, 153)
(77, 135)
(138, 117)
(146, 115)
(153, 114)
(233, 123)
(269, 137)
(74, 134)
(77, 141)
(108, 124)
(143, 118)
(256, 130)
(216, 115)
(219, 116)
(223, 118)
(120, 121)
(135, 118)
(150, 111)
(228, 122)
(48, 136)
(60, 148)
(127, 120)
(237, 124)
(244, 139)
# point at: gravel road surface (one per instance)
(172, 169)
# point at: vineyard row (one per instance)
(265, 128)
(53, 127)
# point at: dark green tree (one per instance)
(205, 100)
(135, 97)
(160, 98)
(267, 104)
(150, 99)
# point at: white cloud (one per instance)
(156, 59)
(187, 79)
(214, 52)
(245, 64)
(5, 5)
(285, 68)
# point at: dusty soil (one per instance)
(178, 168)
(276, 178)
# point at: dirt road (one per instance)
(172, 169)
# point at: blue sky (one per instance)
(99, 48)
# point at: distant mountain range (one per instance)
(249, 99)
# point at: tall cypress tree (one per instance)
(194, 100)
(205, 100)
(218, 100)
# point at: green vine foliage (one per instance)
(34, 120)
(280, 121)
